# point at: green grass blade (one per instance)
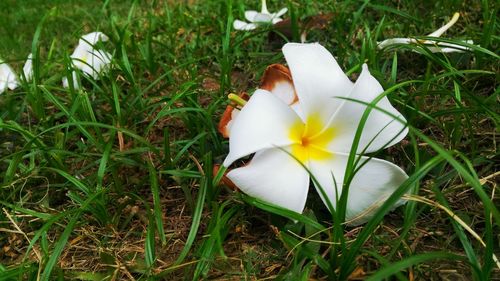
(397, 267)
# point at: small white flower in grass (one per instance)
(87, 58)
(303, 112)
(433, 46)
(28, 68)
(255, 18)
(8, 78)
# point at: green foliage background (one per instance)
(78, 205)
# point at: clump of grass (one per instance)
(115, 181)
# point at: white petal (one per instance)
(90, 61)
(3, 85)
(65, 82)
(234, 114)
(76, 83)
(226, 128)
(81, 51)
(103, 56)
(296, 107)
(241, 25)
(394, 41)
(229, 115)
(444, 47)
(92, 38)
(280, 13)
(445, 27)
(369, 189)
(264, 122)
(87, 42)
(275, 177)
(437, 49)
(277, 79)
(276, 20)
(380, 127)
(12, 82)
(8, 78)
(99, 60)
(28, 68)
(250, 15)
(80, 56)
(317, 78)
(446, 50)
(262, 18)
(285, 92)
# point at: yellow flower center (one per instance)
(311, 139)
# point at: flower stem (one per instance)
(238, 100)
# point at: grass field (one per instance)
(115, 181)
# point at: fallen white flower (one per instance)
(88, 59)
(255, 18)
(303, 112)
(432, 45)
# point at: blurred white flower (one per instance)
(255, 18)
(87, 58)
(310, 112)
(8, 78)
(433, 46)
(28, 68)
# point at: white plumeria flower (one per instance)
(255, 18)
(87, 58)
(28, 68)
(305, 113)
(433, 46)
(8, 78)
